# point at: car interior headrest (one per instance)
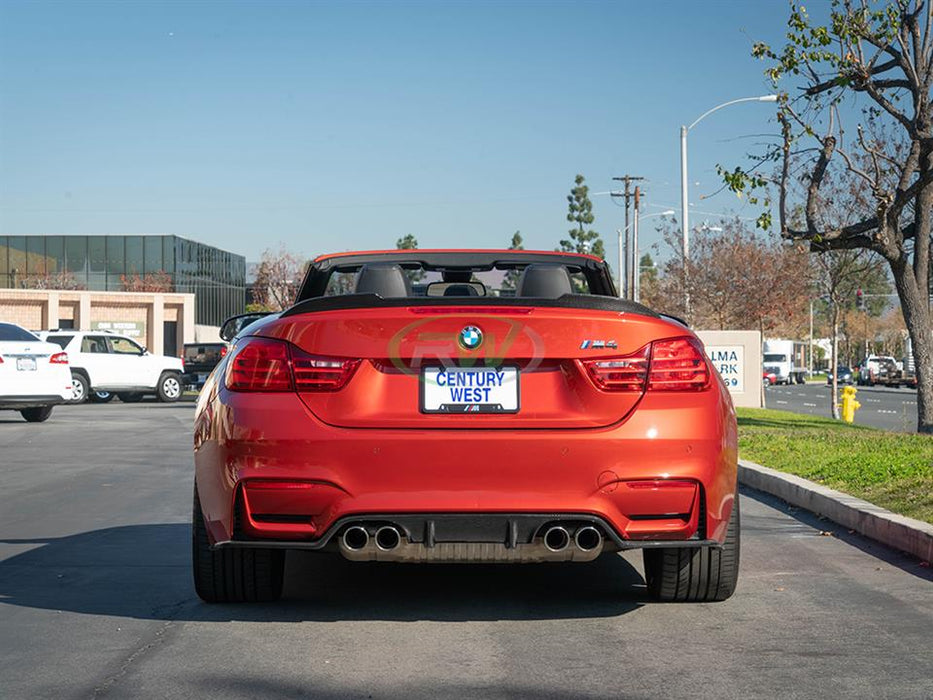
(387, 280)
(545, 281)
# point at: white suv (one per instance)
(106, 363)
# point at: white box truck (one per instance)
(786, 360)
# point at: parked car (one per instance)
(845, 374)
(34, 375)
(769, 377)
(102, 361)
(199, 361)
(464, 426)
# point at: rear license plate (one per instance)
(469, 390)
(26, 364)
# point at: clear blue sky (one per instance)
(335, 126)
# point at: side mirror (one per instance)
(233, 325)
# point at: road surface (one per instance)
(890, 409)
(96, 601)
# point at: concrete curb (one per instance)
(898, 531)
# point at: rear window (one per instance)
(60, 340)
(8, 331)
(210, 352)
(433, 283)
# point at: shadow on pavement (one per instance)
(143, 572)
(901, 560)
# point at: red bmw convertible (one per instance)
(464, 406)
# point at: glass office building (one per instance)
(216, 277)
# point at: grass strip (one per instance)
(892, 470)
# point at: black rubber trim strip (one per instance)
(592, 302)
(597, 273)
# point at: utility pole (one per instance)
(625, 275)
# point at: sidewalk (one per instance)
(906, 534)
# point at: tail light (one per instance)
(313, 373)
(677, 364)
(223, 352)
(263, 364)
(59, 358)
(620, 373)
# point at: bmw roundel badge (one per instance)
(471, 338)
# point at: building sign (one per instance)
(729, 361)
(131, 329)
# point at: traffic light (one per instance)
(859, 300)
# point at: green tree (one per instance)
(879, 58)
(580, 212)
(510, 281)
(409, 242)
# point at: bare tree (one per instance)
(156, 282)
(879, 57)
(51, 280)
(277, 279)
(738, 280)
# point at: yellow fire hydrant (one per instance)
(849, 404)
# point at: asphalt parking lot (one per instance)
(96, 600)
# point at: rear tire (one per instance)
(81, 388)
(697, 574)
(233, 575)
(170, 387)
(130, 397)
(39, 414)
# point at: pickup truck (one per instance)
(199, 361)
(882, 370)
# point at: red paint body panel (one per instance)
(367, 449)
(670, 436)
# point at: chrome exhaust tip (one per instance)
(556, 538)
(387, 538)
(588, 538)
(355, 538)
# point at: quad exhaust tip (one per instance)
(355, 538)
(387, 538)
(588, 538)
(556, 538)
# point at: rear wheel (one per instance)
(698, 574)
(170, 387)
(130, 397)
(233, 575)
(39, 414)
(80, 388)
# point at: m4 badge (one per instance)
(598, 344)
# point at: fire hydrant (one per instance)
(849, 404)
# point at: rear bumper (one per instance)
(30, 401)
(271, 474)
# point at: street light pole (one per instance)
(635, 222)
(684, 192)
(685, 224)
